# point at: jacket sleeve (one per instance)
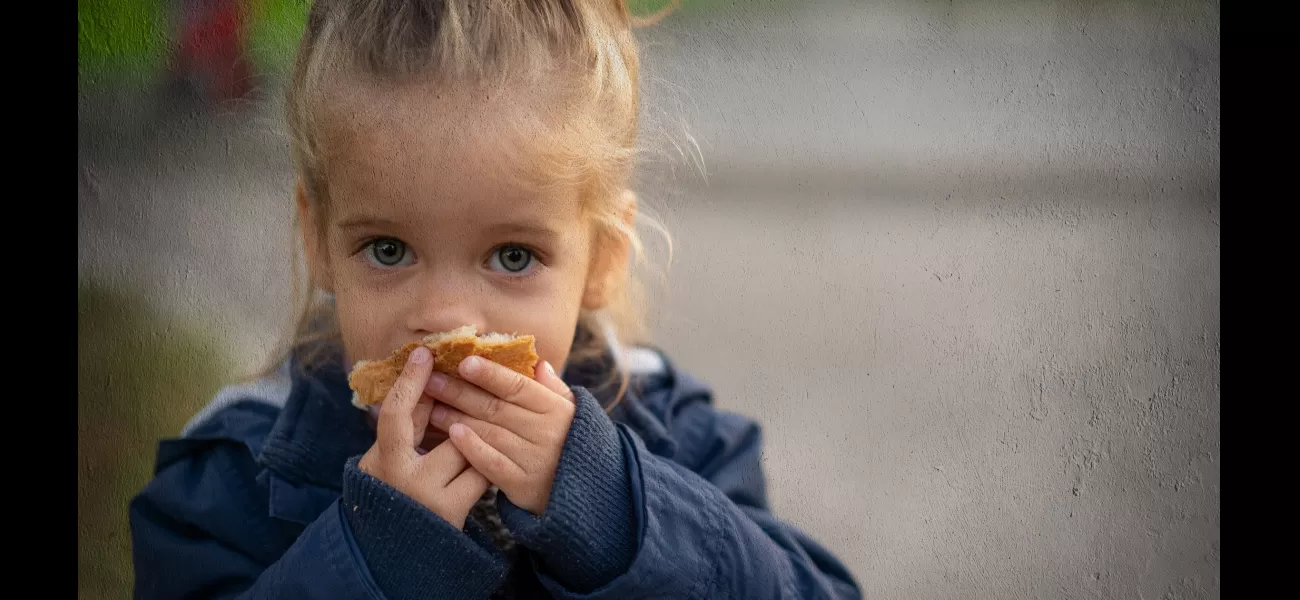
(696, 525)
(202, 529)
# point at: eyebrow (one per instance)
(362, 222)
(505, 228)
(510, 228)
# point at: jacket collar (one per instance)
(318, 430)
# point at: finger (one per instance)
(396, 431)
(443, 464)
(506, 384)
(515, 446)
(468, 487)
(484, 458)
(477, 402)
(550, 380)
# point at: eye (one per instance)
(512, 259)
(388, 252)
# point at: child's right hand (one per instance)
(441, 480)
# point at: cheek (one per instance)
(554, 348)
(364, 322)
(549, 312)
(566, 307)
(565, 319)
(367, 308)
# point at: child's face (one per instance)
(427, 230)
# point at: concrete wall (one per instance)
(964, 262)
(961, 259)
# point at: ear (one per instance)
(609, 256)
(313, 245)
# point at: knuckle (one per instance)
(532, 464)
(556, 437)
(401, 389)
(560, 419)
(514, 385)
(379, 470)
(452, 389)
(492, 406)
(499, 463)
(490, 436)
(496, 437)
(477, 478)
(389, 427)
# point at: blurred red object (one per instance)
(211, 48)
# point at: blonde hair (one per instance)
(588, 43)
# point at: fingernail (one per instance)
(439, 413)
(546, 364)
(456, 430)
(437, 381)
(420, 355)
(470, 365)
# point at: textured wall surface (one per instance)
(961, 259)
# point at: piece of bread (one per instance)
(371, 380)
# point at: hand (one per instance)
(442, 480)
(509, 427)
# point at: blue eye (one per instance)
(513, 259)
(388, 252)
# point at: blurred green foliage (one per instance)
(121, 36)
(273, 33)
(139, 379)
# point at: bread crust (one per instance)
(371, 380)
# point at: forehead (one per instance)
(474, 148)
(463, 121)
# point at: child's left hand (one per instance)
(510, 428)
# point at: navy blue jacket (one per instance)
(664, 497)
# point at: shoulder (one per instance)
(675, 404)
(209, 477)
(238, 417)
(232, 406)
(660, 385)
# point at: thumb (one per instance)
(547, 377)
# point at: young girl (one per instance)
(466, 162)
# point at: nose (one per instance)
(443, 302)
